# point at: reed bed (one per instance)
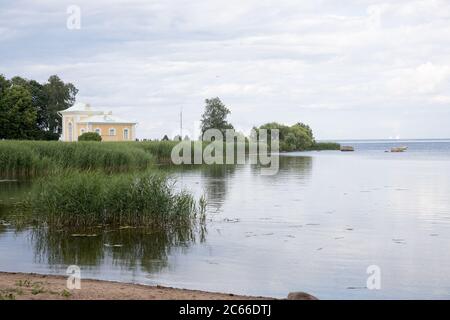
(161, 150)
(319, 146)
(33, 158)
(84, 199)
(37, 158)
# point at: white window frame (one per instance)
(82, 130)
(98, 130)
(127, 137)
(114, 131)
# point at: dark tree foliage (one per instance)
(298, 137)
(215, 116)
(29, 109)
(60, 96)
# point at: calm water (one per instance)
(315, 226)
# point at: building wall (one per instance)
(67, 121)
(79, 128)
(119, 134)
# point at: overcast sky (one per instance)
(350, 69)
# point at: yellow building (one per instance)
(81, 118)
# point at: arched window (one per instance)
(82, 131)
(112, 132)
(125, 134)
(70, 131)
(98, 131)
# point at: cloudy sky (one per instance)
(350, 69)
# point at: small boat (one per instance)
(399, 149)
(347, 149)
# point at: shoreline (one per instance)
(32, 286)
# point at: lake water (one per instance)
(316, 227)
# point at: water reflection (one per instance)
(291, 167)
(315, 226)
(11, 192)
(216, 181)
(129, 248)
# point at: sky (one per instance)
(356, 69)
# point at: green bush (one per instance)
(90, 136)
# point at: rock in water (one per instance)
(300, 296)
(347, 149)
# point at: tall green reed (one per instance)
(83, 199)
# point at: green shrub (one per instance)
(90, 136)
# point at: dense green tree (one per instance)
(306, 128)
(4, 85)
(292, 138)
(39, 100)
(17, 115)
(46, 100)
(60, 96)
(215, 116)
(165, 138)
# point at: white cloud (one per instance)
(333, 65)
(427, 78)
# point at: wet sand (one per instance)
(24, 286)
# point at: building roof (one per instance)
(94, 116)
(105, 118)
(80, 107)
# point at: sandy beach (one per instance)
(23, 286)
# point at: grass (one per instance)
(38, 158)
(83, 199)
(34, 158)
(66, 293)
(23, 283)
(7, 296)
(161, 150)
(37, 288)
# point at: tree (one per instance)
(4, 84)
(60, 96)
(39, 99)
(90, 136)
(215, 116)
(306, 128)
(294, 138)
(17, 115)
(165, 138)
(46, 100)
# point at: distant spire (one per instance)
(181, 123)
